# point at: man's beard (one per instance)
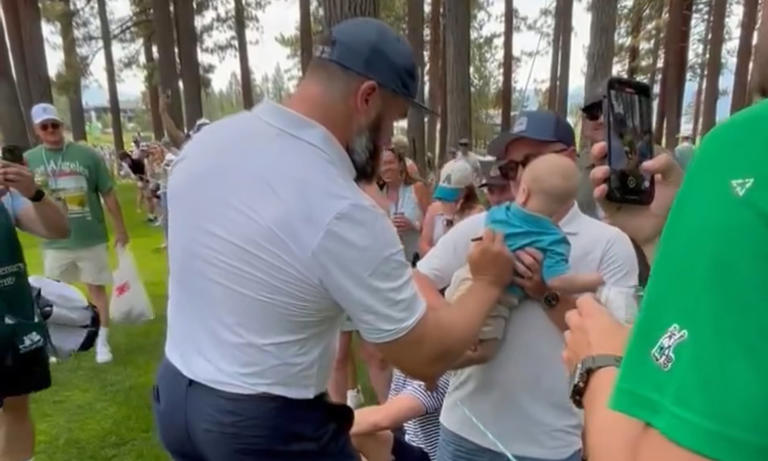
(365, 152)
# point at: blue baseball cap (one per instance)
(372, 49)
(538, 125)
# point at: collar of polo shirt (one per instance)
(570, 222)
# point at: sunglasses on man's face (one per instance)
(52, 126)
(511, 168)
(593, 112)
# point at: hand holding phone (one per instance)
(13, 154)
(629, 137)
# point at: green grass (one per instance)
(103, 412)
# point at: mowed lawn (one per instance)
(103, 412)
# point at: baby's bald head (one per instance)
(549, 184)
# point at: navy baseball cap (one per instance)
(538, 125)
(372, 49)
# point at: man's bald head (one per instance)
(549, 184)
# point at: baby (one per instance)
(549, 184)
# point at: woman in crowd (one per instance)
(408, 199)
(455, 199)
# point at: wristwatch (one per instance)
(584, 371)
(38, 196)
(551, 299)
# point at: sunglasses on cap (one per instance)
(52, 126)
(510, 169)
(593, 112)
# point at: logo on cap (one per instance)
(520, 124)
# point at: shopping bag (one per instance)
(129, 303)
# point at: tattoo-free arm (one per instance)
(45, 219)
(388, 416)
(116, 213)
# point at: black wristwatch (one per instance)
(584, 371)
(38, 196)
(551, 299)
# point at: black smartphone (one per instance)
(629, 135)
(13, 154)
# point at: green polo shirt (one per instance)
(696, 367)
(76, 177)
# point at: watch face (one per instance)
(551, 299)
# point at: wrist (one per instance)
(599, 387)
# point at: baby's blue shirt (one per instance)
(524, 229)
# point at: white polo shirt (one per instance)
(270, 243)
(519, 401)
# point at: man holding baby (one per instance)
(516, 403)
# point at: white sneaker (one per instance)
(103, 352)
(354, 398)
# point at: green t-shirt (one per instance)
(76, 177)
(695, 368)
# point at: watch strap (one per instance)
(584, 372)
(38, 196)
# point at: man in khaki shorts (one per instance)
(78, 179)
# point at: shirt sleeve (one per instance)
(556, 256)
(104, 182)
(363, 268)
(618, 264)
(451, 251)
(432, 400)
(14, 203)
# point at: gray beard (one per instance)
(364, 155)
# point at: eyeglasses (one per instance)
(52, 126)
(593, 112)
(511, 168)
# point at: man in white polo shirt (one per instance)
(517, 404)
(270, 245)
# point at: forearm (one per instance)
(610, 436)
(366, 421)
(115, 212)
(557, 314)
(453, 328)
(45, 219)
(173, 132)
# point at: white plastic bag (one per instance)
(129, 303)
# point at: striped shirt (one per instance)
(424, 431)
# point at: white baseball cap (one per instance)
(457, 174)
(44, 112)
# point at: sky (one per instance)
(281, 16)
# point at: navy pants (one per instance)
(454, 447)
(199, 423)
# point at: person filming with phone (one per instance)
(24, 367)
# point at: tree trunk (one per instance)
(658, 27)
(712, 88)
(459, 108)
(435, 58)
(758, 79)
(166, 58)
(73, 72)
(702, 72)
(566, 30)
(554, 67)
(114, 102)
(743, 55)
(246, 81)
(186, 38)
(11, 117)
(635, 27)
(339, 10)
(661, 103)
(678, 32)
(34, 52)
(305, 33)
(416, 116)
(506, 72)
(443, 134)
(152, 92)
(602, 30)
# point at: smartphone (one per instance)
(13, 154)
(629, 136)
